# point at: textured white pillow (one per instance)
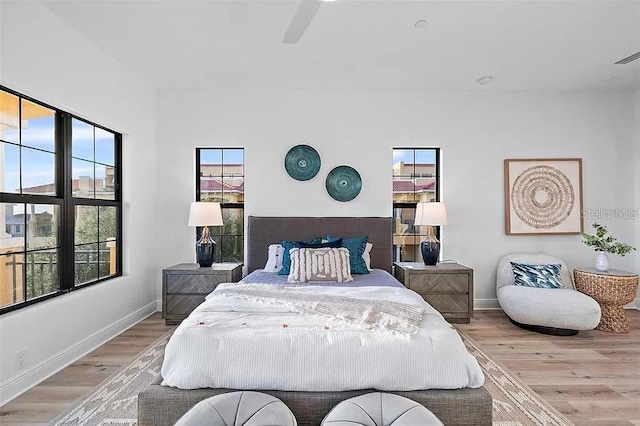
(321, 264)
(367, 255)
(274, 262)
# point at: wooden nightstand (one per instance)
(184, 287)
(448, 287)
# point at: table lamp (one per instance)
(205, 214)
(430, 214)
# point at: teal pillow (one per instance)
(356, 247)
(331, 244)
(541, 276)
(286, 256)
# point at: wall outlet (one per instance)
(20, 359)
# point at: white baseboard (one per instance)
(39, 372)
(633, 305)
(486, 304)
(159, 305)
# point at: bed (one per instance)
(165, 404)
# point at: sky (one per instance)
(421, 155)
(38, 167)
(214, 156)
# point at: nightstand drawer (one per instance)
(448, 287)
(448, 303)
(438, 283)
(182, 304)
(191, 283)
(184, 286)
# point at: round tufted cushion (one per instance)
(380, 409)
(239, 409)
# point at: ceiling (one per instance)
(367, 45)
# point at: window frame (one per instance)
(413, 205)
(223, 205)
(66, 203)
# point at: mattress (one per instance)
(250, 345)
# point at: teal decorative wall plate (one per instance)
(343, 183)
(302, 162)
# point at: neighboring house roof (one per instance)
(214, 185)
(41, 189)
(419, 164)
(12, 220)
(50, 188)
(410, 186)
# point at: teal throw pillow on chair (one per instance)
(541, 276)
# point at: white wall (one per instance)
(476, 132)
(44, 58)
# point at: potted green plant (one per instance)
(603, 244)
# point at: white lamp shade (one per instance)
(432, 214)
(203, 213)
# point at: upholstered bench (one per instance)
(380, 409)
(242, 408)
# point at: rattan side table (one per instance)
(612, 290)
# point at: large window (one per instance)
(220, 179)
(416, 179)
(60, 202)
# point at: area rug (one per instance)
(115, 401)
(514, 403)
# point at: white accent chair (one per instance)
(561, 311)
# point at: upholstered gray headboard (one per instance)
(263, 231)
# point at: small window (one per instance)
(415, 174)
(220, 179)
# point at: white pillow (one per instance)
(274, 261)
(321, 264)
(367, 255)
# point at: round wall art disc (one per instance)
(343, 183)
(302, 162)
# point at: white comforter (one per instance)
(235, 343)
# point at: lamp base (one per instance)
(204, 253)
(430, 251)
(205, 249)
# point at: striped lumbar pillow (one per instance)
(320, 264)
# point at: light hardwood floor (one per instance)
(54, 396)
(592, 378)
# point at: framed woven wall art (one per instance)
(543, 196)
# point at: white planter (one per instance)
(602, 262)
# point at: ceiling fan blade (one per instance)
(301, 20)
